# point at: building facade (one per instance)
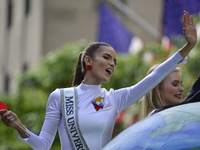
(29, 29)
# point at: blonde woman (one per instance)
(167, 92)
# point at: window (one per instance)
(9, 12)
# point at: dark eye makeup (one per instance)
(108, 56)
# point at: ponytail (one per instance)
(79, 75)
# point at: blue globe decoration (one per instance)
(176, 128)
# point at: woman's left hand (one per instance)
(189, 29)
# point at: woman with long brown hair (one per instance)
(94, 108)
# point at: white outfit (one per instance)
(96, 125)
(152, 112)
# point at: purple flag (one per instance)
(112, 30)
(172, 16)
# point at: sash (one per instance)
(70, 113)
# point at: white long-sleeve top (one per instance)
(96, 125)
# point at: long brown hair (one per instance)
(90, 51)
(153, 100)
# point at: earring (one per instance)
(88, 67)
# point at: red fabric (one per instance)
(3, 106)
